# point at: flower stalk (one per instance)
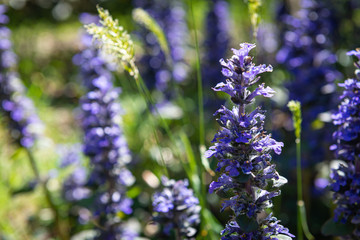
(302, 227)
(345, 178)
(248, 180)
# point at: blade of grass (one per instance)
(143, 18)
(210, 227)
(199, 81)
(209, 224)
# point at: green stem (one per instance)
(48, 196)
(299, 188)
(202, 195)
(307, 233)
(199, 83)
(302, 225)
(200, 100)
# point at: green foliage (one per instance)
(247, 224)
(114, 40)
(243, 178)
(332, 228)
(143, 18)
(191, 167)
(221, 192)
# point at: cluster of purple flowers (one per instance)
(248, 179)
(346, 178)
(306, 53)
(104, 141)
(74, 187)
(154, 67)
(24, 123)
(177, 209)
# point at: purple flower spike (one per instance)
(24, 124)
(104, 142)
(176, 208)
(248, 179)
(345, 180)
(307, 53)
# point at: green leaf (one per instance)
(332, 228)
(281, 237)
(224, 194)
(18, 154)
(189, 153)
(190, 167)
(247, 224)
(243, 178)
(143, 18)
(205, 161)
(133, 192)
(212, 225)
(25, 189)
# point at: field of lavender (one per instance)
(179, 119)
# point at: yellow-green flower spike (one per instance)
(115, 41)
(295, 108)
(254, 11)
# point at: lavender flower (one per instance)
(346, 178)
(24, 123)
(104, 142)
(248, 179)
(170, 16)
(306, 54)
(177, 208)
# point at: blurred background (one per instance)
(46, 35)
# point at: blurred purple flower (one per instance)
(104, 141)
(24, 123)
(69, 155)
(177, 208)
(306, 54)
(74, 187)
(215, 46)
